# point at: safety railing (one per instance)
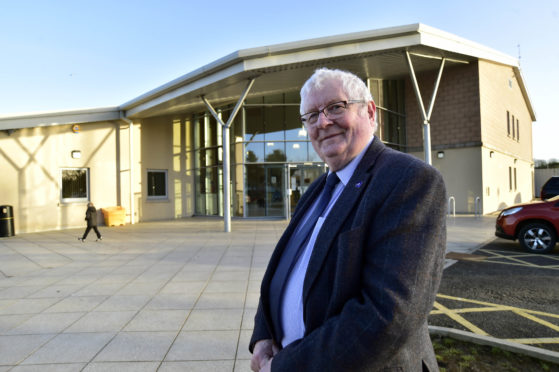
(477, 207)
(452, 205)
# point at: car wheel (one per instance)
(537, 238)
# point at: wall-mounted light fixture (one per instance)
(76, 154)
(491, 153)
(440, 154)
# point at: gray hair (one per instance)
(352, 85)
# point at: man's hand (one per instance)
(264, 351)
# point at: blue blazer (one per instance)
(373, 274)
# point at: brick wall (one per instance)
(455, 120)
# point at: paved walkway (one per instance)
(161, 296)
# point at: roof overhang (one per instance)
(59, 118)
(284, 67)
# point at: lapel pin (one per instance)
(358, 184)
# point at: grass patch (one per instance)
(461, 356)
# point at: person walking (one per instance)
(91, 218)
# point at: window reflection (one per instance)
(275, 152)
(254, 152)
(296, 151)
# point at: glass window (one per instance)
(254, 126)
(274, 123)
(275, 151)
(296, 151)
(208, 191)
(313, 156)
(508, 123)
(254, 152)
(75, 184)
(295, 131)
(292, 97)
(157, 184)
(256, 191)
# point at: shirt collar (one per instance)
(345, 174)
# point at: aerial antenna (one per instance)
(519, 56)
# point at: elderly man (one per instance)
(352, 280)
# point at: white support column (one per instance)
(227, 152)
(131, 159)
(425, 115)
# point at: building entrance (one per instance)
(300, 178)
(274, 190)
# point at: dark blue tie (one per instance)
(294, 247)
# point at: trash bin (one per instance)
(6, 221)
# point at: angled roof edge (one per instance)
(59, 118)
(270, 50)
(428, 36)
(524, 90)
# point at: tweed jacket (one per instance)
(373, 273)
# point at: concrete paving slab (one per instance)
(76, 304)
(137, 347)
(67, 367)
(70, 348)
(157, 320)
(214, 320)
(46, 323)
(204, 345)
(14, 349)
(161, 296)
(102, 321)
(199, 366)
(122, 367)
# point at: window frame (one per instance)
(166, 186)
(87, 186)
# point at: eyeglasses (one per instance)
(331, 111)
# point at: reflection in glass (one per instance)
(208, 191)
(254, 125)
(275, 151)
(296, 151)
(255, 191)
(275, 189)
(295, 130)
(274, 123)
(313, 156)
(254, 152)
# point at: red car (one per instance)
(535, 225)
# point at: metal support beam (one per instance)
(226, 151)
(425, 115)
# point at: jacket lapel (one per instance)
(345, 205)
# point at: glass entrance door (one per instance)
(275, 191)
(300, 178)
(266, 190)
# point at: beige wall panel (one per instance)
(165, 145)
(461, 170)
(32, 160)
(499, 93)
(502, 188)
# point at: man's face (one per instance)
(338, 140)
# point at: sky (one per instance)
(64, 55)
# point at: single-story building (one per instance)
(161, 155)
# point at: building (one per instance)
(161, 154)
